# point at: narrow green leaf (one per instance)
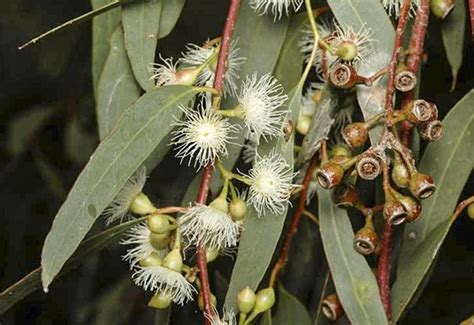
(289, 67)
(371, 14)
(32, 282)
(141, 23)
(50, 175)
(140, 129)
(452, 31)
(117, 86)
(449, 161)
(290, 310)
(23, 127)
(263, 232)
(79, 144)
(260, 40)
(170, 12)
(354, 280)
(102, 28)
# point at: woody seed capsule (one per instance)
(431, 131)
(421, 111)
(332, 307)
(343, 76)
(331, 173)
(405, 80)
(368, 166)
(421, 185)
(355, 134)
(365, 241)
(394, 212)
(344, 196)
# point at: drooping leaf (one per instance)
(354, 280)
(290, 310)
(260, 40)
(32, 282)
(140, 129)
(371, 15)
(263, 232)
(141, 23)
(117, 86)
(23, 128)
(102, 29)
(170, 12)
(50, 175)
(449, 161)
(452, 31)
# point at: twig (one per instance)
(81, 18)
(395, 55)
(311, 216)
(383, 269)
(294, 225)
(206, 177)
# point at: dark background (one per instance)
(56, 73)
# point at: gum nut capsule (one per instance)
(421, 186)
(431, 131)
(332, 307)
(344, 196)
(420, 111)
(355, 134)
(174, 260)
(394, 212)
(412, 207)
(405, 80)
(399, 173)
(142, 205)
(330, 174)
(368, 166)
(340, 150)
(343, 76)
(365, 241)
(237, 209)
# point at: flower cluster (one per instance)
(197, 67)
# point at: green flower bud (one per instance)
(158, 223)
(340, 150)
(470, 211)
(174, 261)
(142, 205)
(264, 300)
(200, 301)
(159, 241)
(441, 8)
(303, 123)
(237, 208)
(211, 254)
(221, 204)
(152, 260)
(400, 174)
(160, 301)
(246, 299)
(347, 51)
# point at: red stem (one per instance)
(395, 55)
(294, 225)
(206, 177)
(471, 17)
(417, 42)
(383, 269)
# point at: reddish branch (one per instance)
(402, 22)
(417, 41)
(294, 225)
(206, 177)
(471, 17)
(383, 269)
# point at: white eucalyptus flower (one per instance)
(164, 73)
(139, 236)
(228, 318)
(275, 6)
(360, 40)
(197, 55)
(393, 7)
(271, 183)
(209, 227)
(202, 136)
(259, 103)
(119, 208)
(165, 281)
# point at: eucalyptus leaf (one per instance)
(263, 232)
(354, 280)
(22, 129)
(371, 15)
(32, 281)
(170, 12)
(140, 129)
(79, 144)
(449, 161)
(141, 24)
(452, 30)
(260, 40)
(102, 29)
(290, 310)
(117, 86)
